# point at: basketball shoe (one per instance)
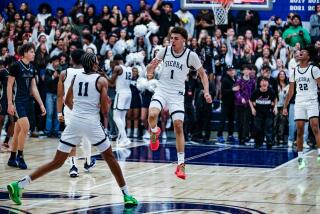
(180, 171)
(87, 166)
(129, 200)
(73, 172)
(154, 140)
(301, 163)
(15, 192)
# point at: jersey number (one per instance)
(172, 71)
(303, 87)
(128, 76)
(85, 89)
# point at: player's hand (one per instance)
(285, 112)
(208, 97)
(61, 119)
(43, 110)
(11, 109)
(254, 112)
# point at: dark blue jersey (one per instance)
(23, 77)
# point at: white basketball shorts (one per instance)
(306, 110)
(79, 128)
(175, 104)
(122, 101)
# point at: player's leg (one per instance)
(90, 162)
(164, 119)
(10, 129)
(156, 105)
(13, 156)
(300, 130)
(15, 188)
(73, 171)
(177, 115)
(22, 136)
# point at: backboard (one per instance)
(237, 4)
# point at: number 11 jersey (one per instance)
(86, 96)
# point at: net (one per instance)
(220, 10)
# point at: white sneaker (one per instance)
(305, 145)
(146, 135)
(124, 142)
(290, 143)
(164, 135)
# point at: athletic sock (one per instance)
(20, 154)
(180, 157)
(73, 161)
(24, 182)
(135, 131)
(13, 155)
(124, 190)
(155, 129)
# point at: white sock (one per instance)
(319, 151)
(300, 154)
(128, 131)
(124, 190)
(135, 131)
(24, 182)
(73, 161)
(155, 129)
(86, 149)
(180, 157)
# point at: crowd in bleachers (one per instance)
(239, 58)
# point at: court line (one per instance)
(160, 167)
(289, 162)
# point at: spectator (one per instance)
(262, 103)
(87, 43)
(266, 59)
(315, 24)
(248, 20)
(51, 81)
(280, 121)
(44, 13)
(246, 87)
(187, 20)
(205, 21)
(228, 108)
(296, 33)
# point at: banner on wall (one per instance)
(280, 7)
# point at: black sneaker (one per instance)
(12, 162)
(92, 164)
(73, 172)
(21, 163)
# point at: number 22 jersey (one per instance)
(306, 84)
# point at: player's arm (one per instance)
(36, 95)
(117, 70)
(60, 94)
(69, 97)
(288, 98)
(102, 85)
(195, 62)
(11, 109)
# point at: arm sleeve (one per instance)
(14, 70)
(194, 61)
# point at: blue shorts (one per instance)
(21, 110)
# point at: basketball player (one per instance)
(4, 73)
(122, 77)
(177, 61)
(22, 73)
(86, 96)
(63, 86)
(306, 79)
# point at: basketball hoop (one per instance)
(220, 10)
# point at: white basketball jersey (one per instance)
(123, 81)
(70, 73)
(306, 84)
(86, 97)
(174, 72)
